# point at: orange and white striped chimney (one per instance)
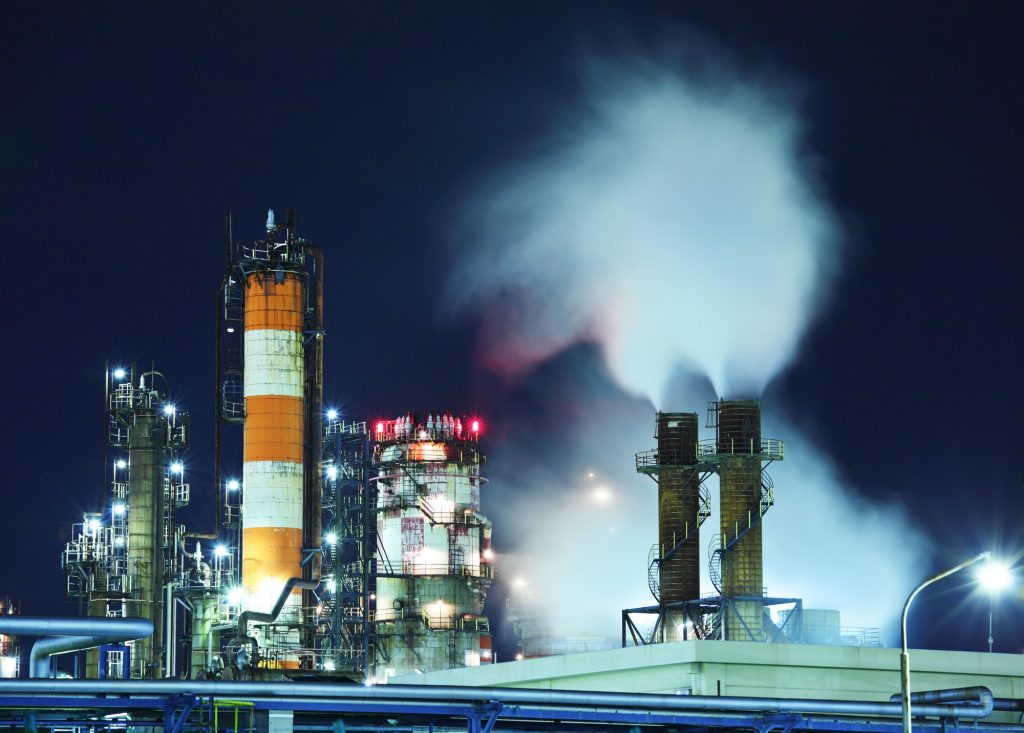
(273, 439)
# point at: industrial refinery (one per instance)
(339, 551)
(346, 577)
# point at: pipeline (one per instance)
(71, 635)
(255, 616)
(980, 697)
(504, 695)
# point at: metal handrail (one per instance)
(769, 448)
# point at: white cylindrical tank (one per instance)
(433, 559)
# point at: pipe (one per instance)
(246, 616)
(71, 635)
(978, 696)
(505, 695)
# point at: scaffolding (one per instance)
(344, 636)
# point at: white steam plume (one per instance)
(676, 223)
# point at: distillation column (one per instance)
(146, 469)
(678, 520)
(739, 450)
(273, 447)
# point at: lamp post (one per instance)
(994, 577)
(904, 655)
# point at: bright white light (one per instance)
(232, 485)
(231, 329)
(488, 554)
(995, 576)
(119, 509)
(590, 474)
(94, 525)
(519, 582)
(601, 495)
(119, 373)
(332, 473)
(119, 541)
(331, 539)
(220, 551)
(332, 414)
(235, 596)
(168, 409)
(519, 657)
(122, 463)
(331, 585)
(177, 467)
(329, 666)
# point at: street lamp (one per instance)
(994, 577)
(904, 655)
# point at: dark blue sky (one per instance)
(127, 133)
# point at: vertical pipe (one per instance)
(313, 449)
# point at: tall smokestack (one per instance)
(675, 560)
(739, 553)
(274, 376)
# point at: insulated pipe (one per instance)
(71, 635)
(246, 617)
(505, 695)
(981, 696)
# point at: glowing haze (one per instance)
(674, 222)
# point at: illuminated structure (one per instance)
(123, 561)
(370, 561)
(344, 640)
(10, 649)
(272, 384)
(433, 564)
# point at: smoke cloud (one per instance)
(673, 221)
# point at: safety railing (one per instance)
(767, 449)
(654, 459)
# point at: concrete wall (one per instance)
(738, 668)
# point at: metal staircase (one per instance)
(655, 558)
(719, 548)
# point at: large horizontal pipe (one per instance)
(976, 696)
(480, 694)
(71, 635)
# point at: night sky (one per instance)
(128, 134)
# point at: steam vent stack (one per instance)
(739, 554)
(674, 563)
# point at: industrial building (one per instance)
(343, 585)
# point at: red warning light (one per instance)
(380, 427)
(475, 426)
